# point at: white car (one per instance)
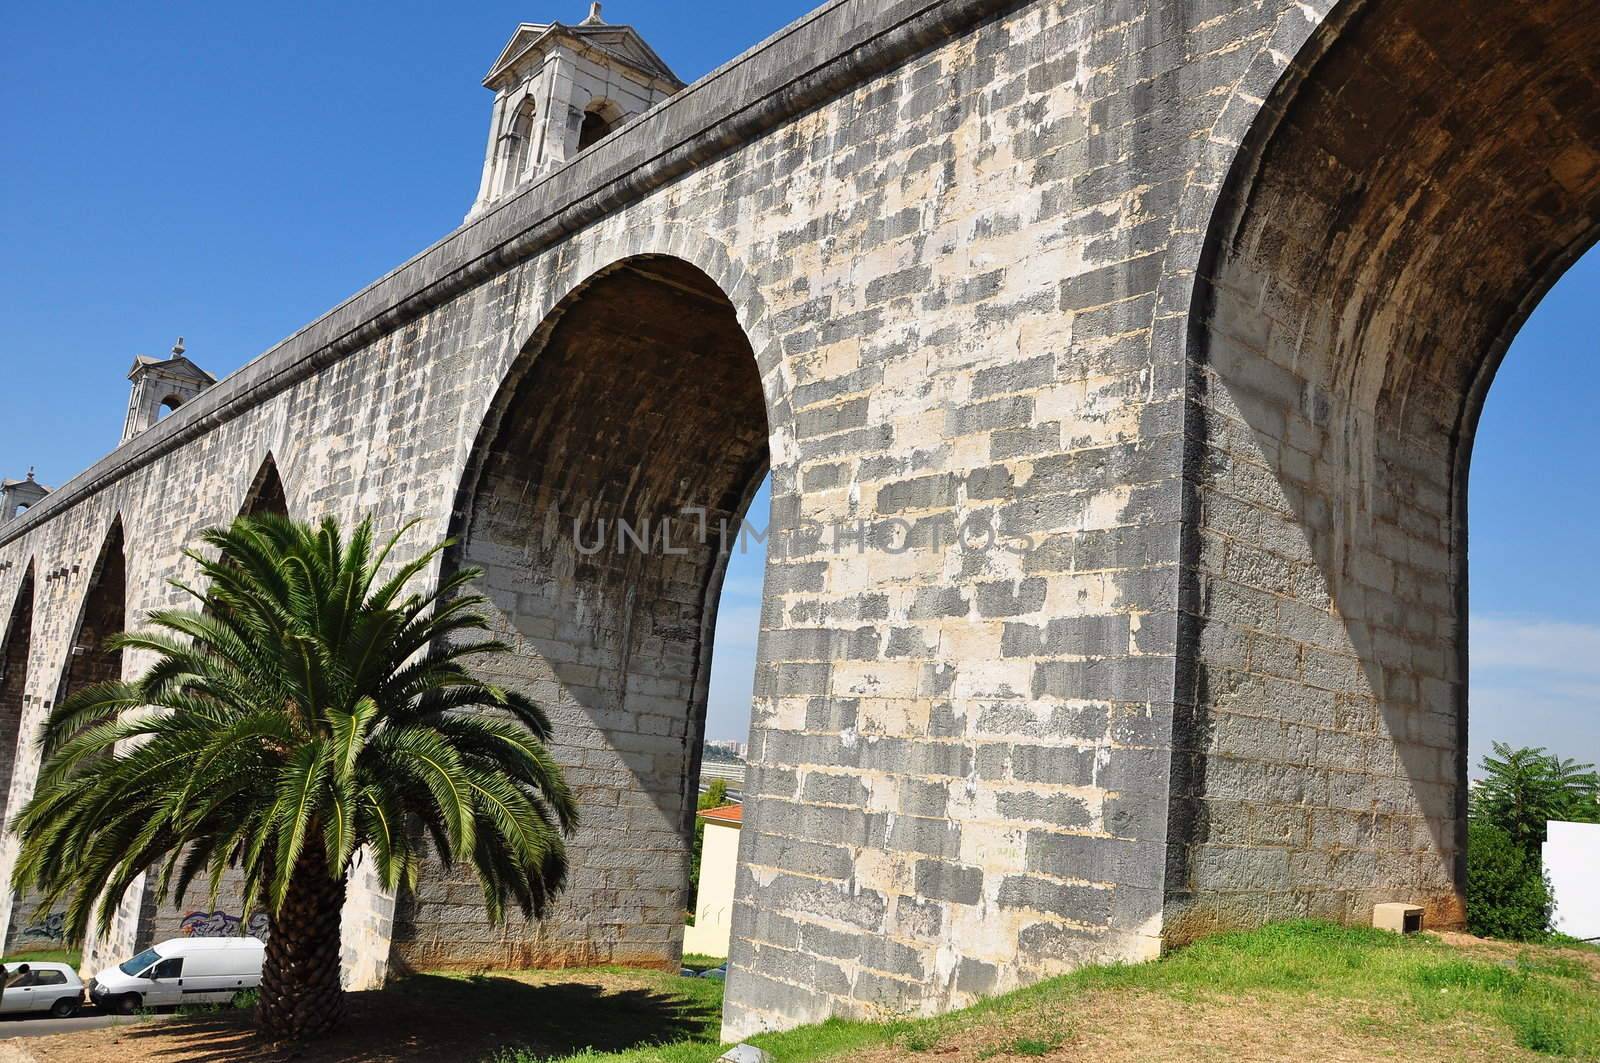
(180, 971)
(52, 987)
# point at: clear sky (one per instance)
(228, 172)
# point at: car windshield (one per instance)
(139, 962)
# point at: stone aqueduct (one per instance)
(1192, 304)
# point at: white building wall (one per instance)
(713, 908)
(1572, 860)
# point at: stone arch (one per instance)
(266, 493)
(593, 259)
(15, 653)
(1402, 201)
(637, 398)
(518, 137)
(600, 117)
(104, 613)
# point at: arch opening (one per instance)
(196, 916)
(604, 495)
(25, 930)
(89, 661)
(169, 406)
(517, 146)
(599, 119)
(14, 685)
(1407, 196)
(266, 495)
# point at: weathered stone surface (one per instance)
(1115, 366)
(1345, 336)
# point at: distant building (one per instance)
(726, 749)
(719, 862)
(17, 496)
(1572, 860)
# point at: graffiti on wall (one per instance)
(50, 928)
(220, 924)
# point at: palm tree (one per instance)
(1523, 789)
(304, 714)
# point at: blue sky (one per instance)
(228, 172)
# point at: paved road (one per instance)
(89, 1019)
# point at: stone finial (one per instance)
(178, 348)
(594, 18)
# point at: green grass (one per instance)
(698, 962)
(1025, 1047)
(45, 956)
(1544, 1002)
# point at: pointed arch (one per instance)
(14, 654)
(266, 494)
(602, 499)
(223, 916)
(104, 613)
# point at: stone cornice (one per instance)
(499, 78)
(809, 62)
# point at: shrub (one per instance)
(1507, 895)
(716, 796)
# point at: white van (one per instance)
(180, 971)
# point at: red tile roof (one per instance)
(733, 815)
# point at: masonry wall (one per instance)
(34, 931)
(1412, 190)
(90, 661)
(14, 678)
(960, 241)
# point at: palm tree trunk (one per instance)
(301, 997)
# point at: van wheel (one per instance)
(64, 1008)
(127, 1003)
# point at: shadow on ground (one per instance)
(438, 1017)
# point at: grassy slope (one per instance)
(1378, 988)
(45, 956)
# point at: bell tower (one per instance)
(17, 496)
(557, 90)
(161, 382)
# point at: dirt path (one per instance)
(1137, 1027)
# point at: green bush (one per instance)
(1507, 895)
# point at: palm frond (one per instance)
(312, 702)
